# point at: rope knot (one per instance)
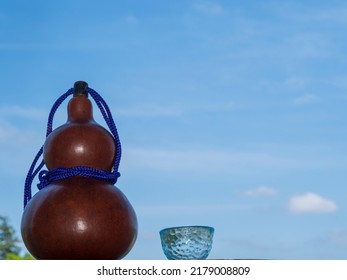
(43, 179)
(47, 177)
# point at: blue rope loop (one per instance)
(46, 177)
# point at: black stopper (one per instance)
(80, 89)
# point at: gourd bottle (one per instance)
(79, 217)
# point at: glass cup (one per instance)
(187, 242)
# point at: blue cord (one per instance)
(46, 177)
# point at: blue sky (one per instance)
(231, 114)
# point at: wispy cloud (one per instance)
(18, 147)
(24, 46)
(297, 82)
(7, 131)
(132, 19)
(208, 160)
(175, 110)
(149, 110)
(311, 203)
(194, 209)
(307, 45)
(332, 14)
(22, 112)
(305, 99)
(339, 237)
(247, 243)
(209, 8)
(261, 191)
(13, 119)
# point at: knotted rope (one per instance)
(48, 176)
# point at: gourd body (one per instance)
(79, 217)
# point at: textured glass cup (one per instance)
(187, 242)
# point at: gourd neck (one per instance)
(80, 108)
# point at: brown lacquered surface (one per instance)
(79, 217)
(81, 141)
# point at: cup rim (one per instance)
(211, 229)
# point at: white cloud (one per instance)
(261, 191)
(311, 203)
